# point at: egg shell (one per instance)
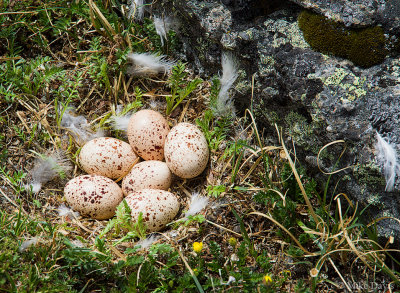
(159, 207)
(147, 131)
(107, 156)
(147, 174)
(93, 195)
(186, 150)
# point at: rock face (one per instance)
(317, 99)
(356, 12)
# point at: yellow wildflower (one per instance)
(232, 241)
(267, 279)
(197, 247)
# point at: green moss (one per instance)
(363, 46)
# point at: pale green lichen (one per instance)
(369, 175)
(374, 199)
(336, 78)
(285, 32)
(242, 85)
(248, 34)
(354, 87)
(266, 64)
(396, 70)
(267, 60)
(229, 41)
(316, 115)
(300, 130)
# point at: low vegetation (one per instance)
(266, 225)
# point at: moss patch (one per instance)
(364, 46)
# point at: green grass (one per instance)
(267, 225)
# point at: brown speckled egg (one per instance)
(147, 174)
(93, 196)
(147, 131)
(186, 150)
(108, 157)
(159, 207)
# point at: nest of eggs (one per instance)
(144, 184)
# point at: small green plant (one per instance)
(14, 178)
(180, 87)
(68, 92)
(123, 223)
(199, 218)
(215, 129)
(136, 104)
(216, 191)
(23, 77)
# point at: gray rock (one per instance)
(317, 99)
(356, 12)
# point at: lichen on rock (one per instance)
(353, 87)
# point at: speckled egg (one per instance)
(147, 174)
(159, 207)
(186, 150)
(108, 157)
(147, 131)
(93, 195)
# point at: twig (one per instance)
(340, 275)
(223, 228)
(19, 12)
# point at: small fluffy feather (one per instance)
(28, 243)
(387, 157)
(64, 211)
(146, 243)
(79, 127)
(77, 243)
(197, 204)
(47, 168)
(147, 64)
(154, 105)
(224, 105)
(230, 281)
(136, 9)
(163, 26)
(121, 122)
